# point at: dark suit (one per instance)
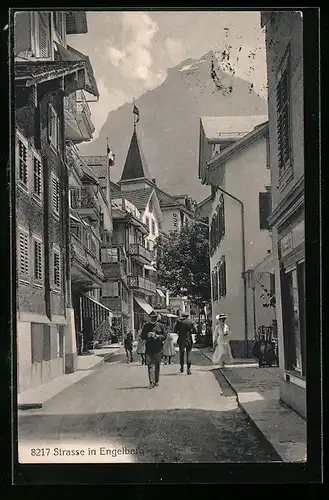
(153, 348)
(184, 328)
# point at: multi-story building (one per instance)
(284, 52)
(43, 79)
(90, 229)
(239, 234)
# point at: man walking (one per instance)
(185, 328)
(154, 334)
(128, 345)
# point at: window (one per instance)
(37, 177)
(110, 289)
(147, 222)
(55, 194)
(265, 208)
(92, 246)
(151, 205)
(283, 116)
(23, 163)
(23, 253)
(57, 268)
(58, 23)
(153, 227)
(38, 260)
(53, 127)
(110, 255)
(222, 277)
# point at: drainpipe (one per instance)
(243, 274)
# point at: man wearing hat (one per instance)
(154, 334)
(185, 328)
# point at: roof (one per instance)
(37, 72)
(221, 157)
(98, 165)
(226, 127)
(139, 198)
(205, 201)
(135, 166)
(71, 54)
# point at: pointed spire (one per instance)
(135, 165)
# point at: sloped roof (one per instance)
(34, 73)
(226, 127)
(70, 54)
(98, 165)
(135, 166)
(139, 198)
(165, 199)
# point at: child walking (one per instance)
(168, 349)
(141, 350)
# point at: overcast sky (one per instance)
(131, 51)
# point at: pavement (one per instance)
(111, 416)
(37, 396)
(258, 395)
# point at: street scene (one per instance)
(160, 243)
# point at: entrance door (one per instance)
(87, 333)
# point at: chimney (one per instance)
(154, 181)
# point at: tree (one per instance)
(183, 262)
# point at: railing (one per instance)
(85, 257)
(84, 198)
(139, 250)
(83, 108)
(138, 282)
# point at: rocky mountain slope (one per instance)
(169, 123)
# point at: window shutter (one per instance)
(37, 260)
(50, 122)
(57, 275)
(282, 98)
(37, 177)
(44, 33)
(264, 209)
(55, 194)
(24, 253)
(224, 276)
(23, 169)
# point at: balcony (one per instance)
(78, 124)
(85, 202)
(140, 253)
(86, 269)
(142, 284)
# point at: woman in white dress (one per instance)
(222, 354)
(168, 349)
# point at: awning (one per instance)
(149, 268)
(110, 313)
(144, 305)
(160, 293)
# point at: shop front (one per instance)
(291, 251)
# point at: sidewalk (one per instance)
(35, 397)
(257, 391)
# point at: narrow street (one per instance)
(186, 419)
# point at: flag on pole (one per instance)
(110, 156)
(136, 113)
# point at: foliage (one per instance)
(183, 262)
(268, 297)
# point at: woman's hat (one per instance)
(222, 316)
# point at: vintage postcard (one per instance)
(160, 241)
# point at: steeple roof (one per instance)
(135, 166)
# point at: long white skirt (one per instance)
(222, 354)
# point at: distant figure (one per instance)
(185, 328)
(222, 354)
(154, 334)
(259, 351)
(141, 349)
(168, 349)
(128, 345)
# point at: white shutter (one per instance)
(44, 34)
(23, 253)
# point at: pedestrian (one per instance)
(168, 349)
(185, 329)
(154, 334)
(258, 351)
(141, 349)
(128, 345)
(222, 354)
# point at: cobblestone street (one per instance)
(186, 419)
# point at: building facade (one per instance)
(239, 234)
(43, 80)
(284, 52)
